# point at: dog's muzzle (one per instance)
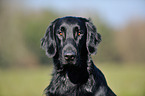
(69, 54)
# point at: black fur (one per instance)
(71, 41)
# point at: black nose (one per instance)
(69, 56)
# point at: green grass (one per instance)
(124, 80)
(24, 82)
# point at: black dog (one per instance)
(71, 41)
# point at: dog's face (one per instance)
(71, 39)
(70, 36)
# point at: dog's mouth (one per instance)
(69, 62)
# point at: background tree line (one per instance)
(21, 32)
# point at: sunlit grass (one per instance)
(24, 82)
(124, 80)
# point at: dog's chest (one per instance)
(63, 85)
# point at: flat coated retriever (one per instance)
(71, 41)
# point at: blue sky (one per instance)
(114, 12)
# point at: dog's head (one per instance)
(71, 38)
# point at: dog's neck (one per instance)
(77, 75)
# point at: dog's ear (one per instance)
(93, 38)
(48, 41)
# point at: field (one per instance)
(124, 80)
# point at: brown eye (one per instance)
(79, 33)
(60, 33)
(62, 29)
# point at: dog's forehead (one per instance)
(65, 24)
(69, 22)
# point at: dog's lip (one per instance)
(69, 63)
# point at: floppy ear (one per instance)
(48, 41)
(93, 38)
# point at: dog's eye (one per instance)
(60, 33)
(62, 29)
(79, 33)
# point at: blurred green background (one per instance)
(25, 70)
